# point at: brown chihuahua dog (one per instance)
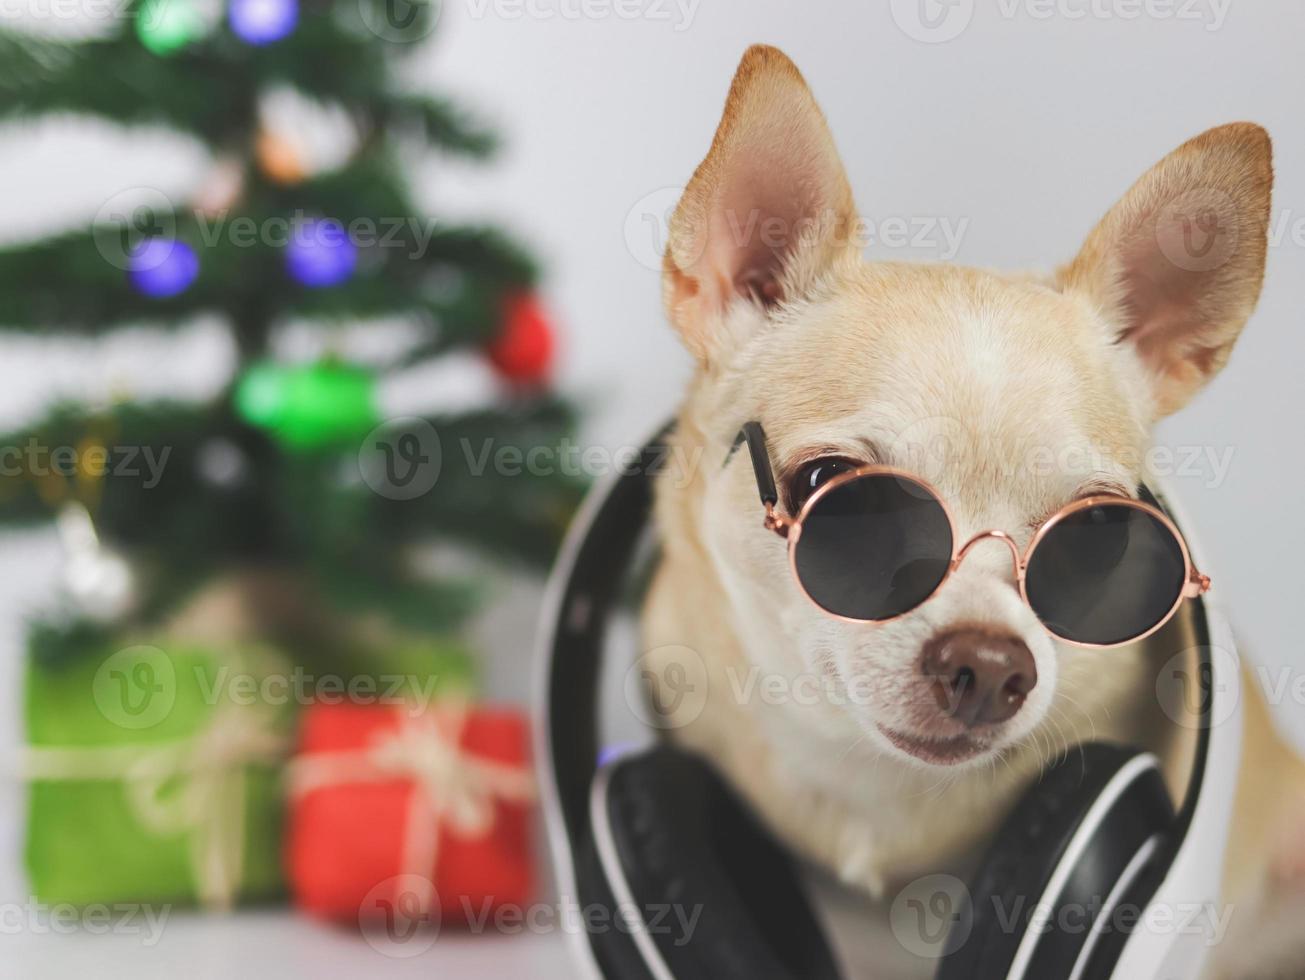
(848, 364)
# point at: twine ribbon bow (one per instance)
(194, 786)
(453, 788)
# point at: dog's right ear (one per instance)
(766, 212)
(1177, 264)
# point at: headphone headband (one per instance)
(582, 591)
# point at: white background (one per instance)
(1023, 127)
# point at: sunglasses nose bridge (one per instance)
(1001, 536)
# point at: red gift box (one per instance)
(382, 797)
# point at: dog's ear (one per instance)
(1178, 263)
(767, 210)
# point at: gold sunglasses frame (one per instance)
(790, 528)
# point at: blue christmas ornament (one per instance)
(320, 254)
(162, 267)
(263, 21)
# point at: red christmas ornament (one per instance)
(523, 351)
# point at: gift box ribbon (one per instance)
(193, 786)
(453, 788)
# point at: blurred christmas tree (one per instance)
(290, 482)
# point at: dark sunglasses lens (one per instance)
(1105, 574)
(873, 548)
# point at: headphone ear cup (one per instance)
(717, 897)
(1060, 866)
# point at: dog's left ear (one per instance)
(765, 213)
(1178, 263)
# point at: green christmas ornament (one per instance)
(167, 26)
(306, 408)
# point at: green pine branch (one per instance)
(453, 278)
(491, 491)
(158, 503)
(436, 122)
(155, 496)
(118, 79)
(193, 492)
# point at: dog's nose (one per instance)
(979, 677)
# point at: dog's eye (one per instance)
(813, 475)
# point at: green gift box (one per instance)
(154, 776)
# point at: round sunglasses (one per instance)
(874, 543)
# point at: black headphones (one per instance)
(659, 829)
